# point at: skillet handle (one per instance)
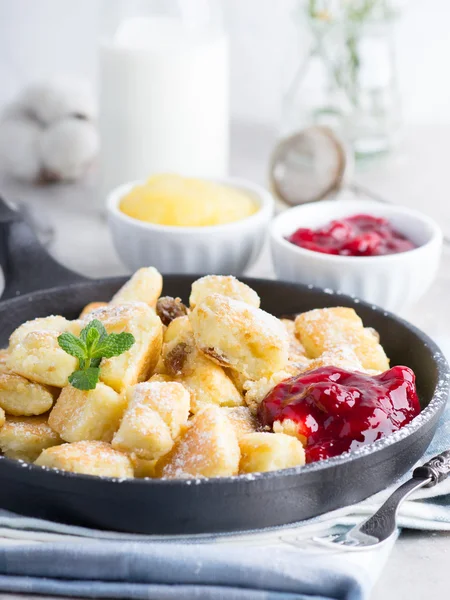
(26, 265)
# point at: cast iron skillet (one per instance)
(209, 505)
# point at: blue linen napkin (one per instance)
(42, 557)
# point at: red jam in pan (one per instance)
(359, 235)
(336, 410)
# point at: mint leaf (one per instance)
(92, 337)
(114, 345)
(90, 348)
(98, 326)
(73, 345)
(86, 379)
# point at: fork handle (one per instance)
(437, 469)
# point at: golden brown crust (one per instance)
(209, 448)
(153, 420)
(240, 336)
(91, 307)
(24, 438)
(226, 285)
(35, 354)
(242, 419)
(145, 285)
(263, 451)
(340, 329)
(206, 381)
(88, 458)
(20, 397)
(144, 433)
(87, 415)
(178, 330)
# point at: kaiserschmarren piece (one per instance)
(2, 417)
(20, 397)
(289, 427)
(226, 285)
(87, 458)
(169, 399)
(137, 364)
(239, 336)
(34, 351)
(263, 451)
(91, 307)
(206, 381)
(256, 391)
(87, 415)
(24, 438)
(144, 286)
(209, 448)
(179, 330)
(209, 384)
(144, 433)
(153, 420)
(328, 329)
(241, 419)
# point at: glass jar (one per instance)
(347, 78)
(164, 90)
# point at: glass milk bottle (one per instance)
(164, 87)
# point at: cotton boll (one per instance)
(59, 97)
(68, 148)
(15, 110)
(19, 146)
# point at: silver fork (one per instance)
(382, 525)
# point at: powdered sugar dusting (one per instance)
(340, 332)
(208, 449)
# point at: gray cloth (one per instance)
(160, 571)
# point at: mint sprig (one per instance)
(93, 344)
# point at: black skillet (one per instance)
(209, 505)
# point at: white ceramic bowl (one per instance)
(219, 249)
(392, 281)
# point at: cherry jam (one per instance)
(360, 235)
(337, 410)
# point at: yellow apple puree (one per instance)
(184, 202)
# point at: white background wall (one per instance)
(41, 37)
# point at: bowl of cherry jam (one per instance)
(384, 254)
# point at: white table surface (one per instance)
(416, 176)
